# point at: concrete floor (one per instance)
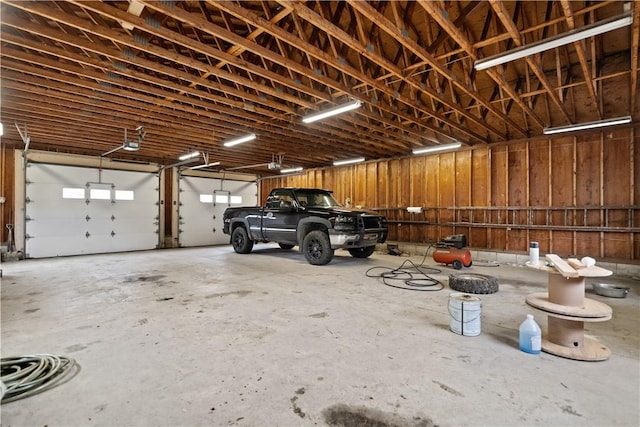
(205, 336)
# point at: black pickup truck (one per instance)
(309, 218)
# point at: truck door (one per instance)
(280, 217)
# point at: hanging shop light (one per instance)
(205, 165)
(557, 41)
(348, 161)
(332, 112)
(587, 125)
(436, 148)
(240, 140)
(291, 170)
(189, 155)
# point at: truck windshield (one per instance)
(312, 198)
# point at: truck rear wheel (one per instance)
(317, 248)
(362, 252)
(240, 241)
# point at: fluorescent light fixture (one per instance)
(205, 165)
(348, 161)
(332, 112)
(436, 148)
(190, 155)
(240, 140)
(290, 170)
(1, 129)
(572, 36)
(587, 125)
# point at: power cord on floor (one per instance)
(28, 375)
(413, 278)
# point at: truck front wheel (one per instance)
(240, 241)
(317, 248)
(362, 252)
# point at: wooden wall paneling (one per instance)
(431, 197)
(446, 192)
(382, 184)
(7, 190)
(588, 181)
(499, 197)
(480, 188)
(562, 155)
(404, 197)
(394, 176)
(517, 195)
(311, 180)
(635, 237)
(342, 185)
(539, 179)
(372, 185)
(463, 191)
(588, 164)
(328, 179)
(417, 231)
(318, 175)
(617, 179)
(359, 182)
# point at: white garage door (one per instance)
(202, 203)
(75, 210)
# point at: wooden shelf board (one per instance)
(591, 311)
(591, 351)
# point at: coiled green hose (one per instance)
(28, 375)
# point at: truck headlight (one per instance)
(344, 219)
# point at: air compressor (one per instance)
(452, 250)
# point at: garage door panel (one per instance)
(85, 225)
(200, 213)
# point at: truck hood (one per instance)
(343, 211)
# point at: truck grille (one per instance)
(373, 222)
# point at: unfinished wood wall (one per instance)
(576, 195)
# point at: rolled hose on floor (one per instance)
(25, 376)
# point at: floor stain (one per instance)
(448, 389)
(342, 415)
(32, 310)
(165, 299)
(568, 409)
(296, 408)
(224, 294)
(319, 315)
(153, 278)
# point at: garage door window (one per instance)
(99, 194)
(206, 198)
(72, 193)
(124, 195)
(236, 200)
(222, 198)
